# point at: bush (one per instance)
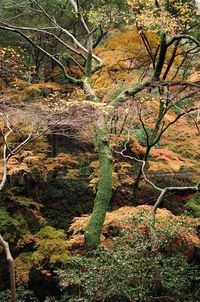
(23, 295)
(50, 251)
(194, 205)
(126, 272)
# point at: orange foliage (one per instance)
(41, 86)
(119, 219)
(124, 55)
(120, 53)
(182, 145)
(165, 160)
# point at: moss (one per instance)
(124, 91)
(32, 95)
(26, 202)
(12, 228)
(119, 90)
(50, 249)
(102, 200)
(194, 205)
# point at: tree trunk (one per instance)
(104, 191)
(139, 176)
(155, 245)
(53, 139)
(161, 58)
(11, 265)
(152, 142)
(136, 187)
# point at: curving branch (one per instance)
(3, 243)
(76, 7)
(185, 36)
(35, 45)
(162, 191)
(43, 31)
(135, 89)
(70, 35)
(142, 162)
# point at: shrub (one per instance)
(126, 272)
(49, 252)
(194, 205)
(23, 295)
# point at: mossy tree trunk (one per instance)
(104, 190)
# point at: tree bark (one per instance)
(11, 265)
(139, 176)
(161, 58)
(104, 191)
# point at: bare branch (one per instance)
(163, 191)
(44, 31)
(69, 78)
(70, 35)
(188, 37)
